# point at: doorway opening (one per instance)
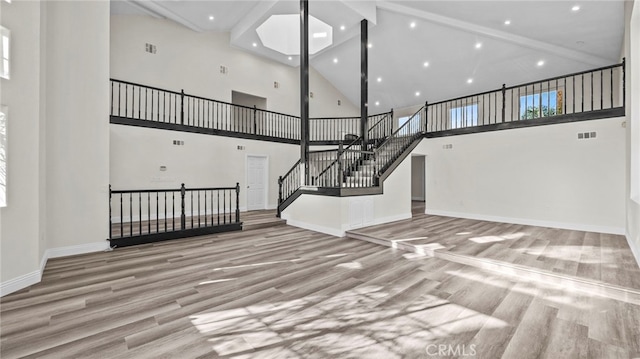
(418, 184)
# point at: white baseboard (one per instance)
(23, 281)
(26, 280)
(529, 222)
(77, 249)
(314, 227)
(383, 220)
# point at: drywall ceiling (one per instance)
(513, 37)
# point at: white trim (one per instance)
(26, 280)
(529, 222)
(383, 220)
(21, 282)
(421, 199)
(77, 249)
(314, 227)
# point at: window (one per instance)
(3, 156)
(545, 104)
(4, 49)
(464, 116)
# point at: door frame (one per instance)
(423, 177)
(266, 180)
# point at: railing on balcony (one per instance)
(137, 104)
(597, 93)
(150, 215)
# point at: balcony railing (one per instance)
(142, 105)
(150, 215)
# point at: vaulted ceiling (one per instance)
(423, 50)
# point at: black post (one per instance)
(426, 114)
(504, 100)
(183, 216)
(624, 84)
(109, 211)
(304, 89)
(391, 124)
(279, 195)
(182, 107)
(255, 120)
(237, 202)
(364, 74)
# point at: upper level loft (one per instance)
(592, 94)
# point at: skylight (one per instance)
(282, 33)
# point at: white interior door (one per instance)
(256, 182)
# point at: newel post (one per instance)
(182, 107)
(237, 202)
(183, 216)
(279, 195)
(504, 100)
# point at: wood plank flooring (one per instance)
(284, 292)
(594, 256)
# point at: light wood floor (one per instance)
(284, 292)
(597, 256)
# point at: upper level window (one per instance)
(4, 52)
(412, 127)
(544, 104)
(464, 116)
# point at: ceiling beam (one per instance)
(155, 8)
(493, 33)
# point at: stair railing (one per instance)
(413, 129)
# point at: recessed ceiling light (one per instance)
(426, 64)
(342, 27)
(369, 45)
(540, 63)
(469, 81)
(478, 45)
(211, 17)
(335, 60)
(417, 93)
(377, 103)
(379, 79)
(412, 25)
(507, 22)
(290, 58)
(254, 44)
(575, 8)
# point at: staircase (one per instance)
(358, 169)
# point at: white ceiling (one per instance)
(445, 35)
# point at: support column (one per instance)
(304, 89)
(364, 81)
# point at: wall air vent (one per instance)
(150, 48)
(586, 135)
(224, 70)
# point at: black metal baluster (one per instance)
(611, 88)
(205, 208)
(165, 211)
(191, 195)
(130, 214)
(198, 208)
(224, 202)
(140, 213)
(112, 99)
(591, 91)
(157, 213)
(237, 202)
(573, 92)
(110, 212)
(218, 191)
(121, 218)
(582, 93)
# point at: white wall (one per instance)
(204, 161)
(58, 135)
(537, 175)
(20, 229)
(77, 122)
(191, 61)
(632, 53)
(336, 215)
